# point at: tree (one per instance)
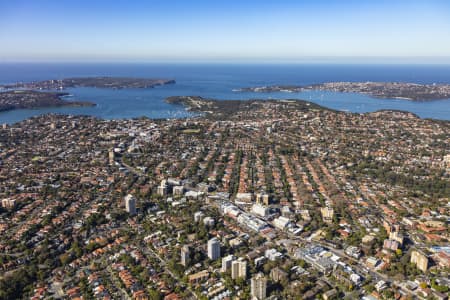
(369, 288)
(302, 263)
(14, 286)
(64, 258)
(76, 249)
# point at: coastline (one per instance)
(382, 90)
(217, 82)
(27, 99)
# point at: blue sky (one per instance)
(208, 30)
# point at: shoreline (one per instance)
(382, 90)
(203, 108)
(29, 99)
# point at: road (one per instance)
(358, 267)
(131, 169)
(117, 284)
(148, 251)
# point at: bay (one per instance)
(218, 81)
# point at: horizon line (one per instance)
(359, 60)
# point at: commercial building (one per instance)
(251, 222)
(260, 210)
(281, 223)
(353, 251)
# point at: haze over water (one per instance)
(218, 81)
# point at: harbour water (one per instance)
(218, 81)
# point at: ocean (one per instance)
(218, 81)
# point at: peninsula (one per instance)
(397, 90)
(11, 100)
(309, 201)
(97, 82)
(223, 109)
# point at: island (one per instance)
(97, 82)
(11, 100)
(386, 90)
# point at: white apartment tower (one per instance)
(226, 262)
(213, 249)
(185, 255)
(130, 204)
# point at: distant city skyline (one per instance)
(233, 31)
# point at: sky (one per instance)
(233, 30)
